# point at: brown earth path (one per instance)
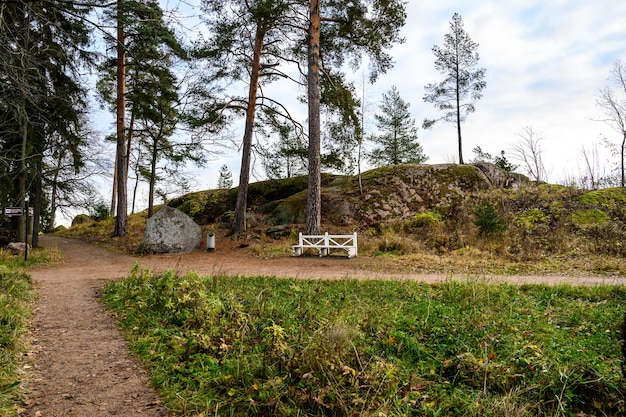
(80, 365)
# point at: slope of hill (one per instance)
(481, 218)
(441, 207)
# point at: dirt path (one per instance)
(80, 362)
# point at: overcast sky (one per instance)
(545, 62)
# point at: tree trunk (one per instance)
(121, 221)
(458, 115)
(23, 190)
(622, 159)
(314, 197)
(114, 188)
(37, 204)
(54, 192)
(239, 221)
(153, 163)
(132, 210)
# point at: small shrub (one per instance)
(488, 220)
(424, 219)
(229, 216)
(99, 211)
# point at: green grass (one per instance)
(15, 292)
(35, 257)
(279, 347)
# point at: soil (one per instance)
(78, 361)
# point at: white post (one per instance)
(297, 250)
(325, 251)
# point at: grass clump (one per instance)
(15, 292)
(279, 347)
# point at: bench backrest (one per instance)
(326, 240)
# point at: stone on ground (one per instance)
(170, 231)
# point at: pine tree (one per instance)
(341, 31)
(226, 178)
(42, 99)
(458, 61)
(151, 98)
(398, 138)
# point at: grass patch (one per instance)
(15, 292)
(35, 257)
(280, 347)
(101, 232)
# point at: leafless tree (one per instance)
(528, 152)
(593, 175)
(612, 101)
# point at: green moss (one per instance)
(529, 219)
(263, 191)
(291, 210)
(589, 217)
(607, 198)
(467, 177)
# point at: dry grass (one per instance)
(404, 250)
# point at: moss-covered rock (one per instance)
(290, 210)
(589, 218)
(400, 191)
(529, 220)
(82, 219)
(608, 198)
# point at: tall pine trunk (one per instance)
(121, 221)
(38, 194)
(239, 221)
(153, 165)
(314, 197)
(458, 114)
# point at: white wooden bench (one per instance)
(324, 243)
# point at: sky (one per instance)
(545, 64)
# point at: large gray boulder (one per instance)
(170, 231)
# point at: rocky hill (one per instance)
(441, 207)
(385, 194)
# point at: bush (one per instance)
(424, 219)
(99, 211)
(488, 220)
